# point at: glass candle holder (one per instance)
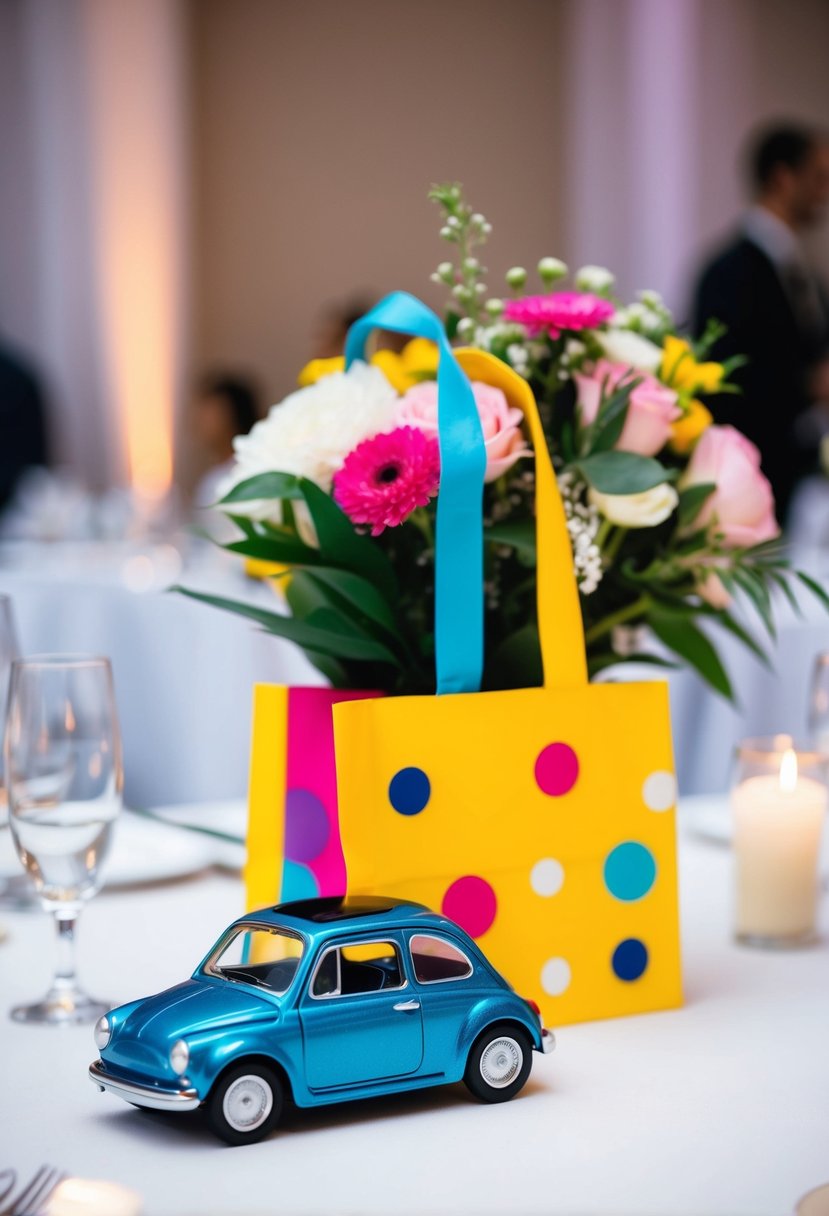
(778, 800)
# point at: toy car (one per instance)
(321, 1000)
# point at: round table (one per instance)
(716, 1109)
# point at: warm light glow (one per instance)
(788, 770)
(69, 718)
(136, 173)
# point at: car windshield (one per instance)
(254, 954)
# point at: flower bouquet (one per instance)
(669, 515)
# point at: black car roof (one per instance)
(327, 909)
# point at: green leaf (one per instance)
(691, 501)
(341, 546)
(265, 485)
(611, 417)
(814, 587)
(691, 644)
(273, 549)
(780, 580)
(303, 596)
(623, 472)
(754, 587)
(330, 636)
(598, 663)
(519, 536)
(734, 627)
(357, 592)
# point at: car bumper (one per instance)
(143, 1095)
(548, 1041)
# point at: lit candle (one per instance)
(91, 1197)
(777, 825)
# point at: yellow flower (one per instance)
(681, 371)
(687, 430)
(317, 368)
(418, 360)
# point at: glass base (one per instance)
(767, 941)
(62, 1007)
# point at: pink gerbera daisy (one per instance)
(560, 310)
(386, 477)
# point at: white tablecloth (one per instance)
(717, 1109)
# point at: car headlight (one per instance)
(102, 1033)
(179, 1056)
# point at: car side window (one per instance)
(436, 960)
(357, 967)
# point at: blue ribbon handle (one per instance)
(459, 546)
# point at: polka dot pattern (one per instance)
(555, 976)
(470, 902)
(307, 827)
(659, 791)
(547, 877)
(556, 769)
(409, 791)
(298, 882)
(630, 959)
(629, 871)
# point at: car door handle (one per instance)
(406, 1006)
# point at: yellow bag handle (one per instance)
(560, 626)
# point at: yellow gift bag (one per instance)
(541, 819)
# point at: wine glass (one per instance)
(64, 777)
(819, 702)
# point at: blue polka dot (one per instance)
(298, 882)
(409, 791)
(629, 871)
(630, 958)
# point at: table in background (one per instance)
(184, 672)
(717, 1109)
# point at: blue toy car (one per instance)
(321, 1000)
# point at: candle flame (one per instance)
(788, 770)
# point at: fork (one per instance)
(31, 1199)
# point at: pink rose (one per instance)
(651, 411)
(741, 509)
(501, 424)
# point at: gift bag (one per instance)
(541, 820)
(293, 845)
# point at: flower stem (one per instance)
(620, 617)
(614, 544)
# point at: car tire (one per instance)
(245, 1104)
(498, 1064)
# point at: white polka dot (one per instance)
(555, 976)
(659, 791)
(547, 876)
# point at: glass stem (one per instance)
(65, 970)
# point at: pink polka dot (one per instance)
(557, 769)
(470, 902)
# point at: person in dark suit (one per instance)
(23, 441)
(762, 288)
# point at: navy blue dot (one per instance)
(630, 959)
(409, 791)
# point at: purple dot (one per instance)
(556, 769)
(307, 827)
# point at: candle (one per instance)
(777, 824)
(91, 1197)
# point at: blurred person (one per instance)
(331, 331)
(225, 405)
(23, 439)
(762, 287)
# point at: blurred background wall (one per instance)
(187, 183)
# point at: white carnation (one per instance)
(624, 346)
(310, 434)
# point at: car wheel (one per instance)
(499, 1064)
(245, 1104)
